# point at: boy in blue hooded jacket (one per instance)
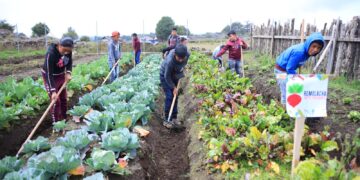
(296, 56)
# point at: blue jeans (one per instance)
(115, 73)
(137, 57)
(282, 85)
(168, 100)
(235, 66)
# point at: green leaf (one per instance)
(119, 140)
(308, 170)
(59, 126)
(79, 110)
(57, 161)
(255, 133)
(9, 164)
(39, 144)
(77, 139)
(101, 160)
(329, 146)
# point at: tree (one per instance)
(40, 29)
(5, 25)
(71, 33)
(182, 30)
(239, 28)
(164, 27)
(85, 38)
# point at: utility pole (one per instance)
(143, 35)
(96, 39)
(230, 23)
(45, 36)
(17, 39)
(187, 27)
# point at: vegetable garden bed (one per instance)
(25, 101)
(103, 135)
(244, 136)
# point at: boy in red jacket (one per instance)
(137, 47)
(234, 45)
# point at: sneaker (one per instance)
(173, 127)
(168, 124)
(177, 122)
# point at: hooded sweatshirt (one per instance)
(296, 55)
(234, 49)
(55, 64)
(171, 70)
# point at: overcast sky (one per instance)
(127, 16)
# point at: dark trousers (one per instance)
(168, 100)
(137, 57)
(58, 111)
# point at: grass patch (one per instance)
(347, 86)
(11, 54)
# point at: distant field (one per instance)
(12, 54)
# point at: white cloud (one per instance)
(203, 16)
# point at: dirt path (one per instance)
(165, 152)
(35, 71)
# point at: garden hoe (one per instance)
(110, 72)
(176, 127)
(41, 119)
(242, 61)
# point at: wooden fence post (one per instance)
(272, 42)
(334, 36)
(251, 37)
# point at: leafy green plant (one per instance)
(240, 130)
(354, 116)
(347, 100)
(77, 139)
(315, 169)
(37, 145)
(119, 140)
(9, 164)
(59, 126)
(101, 160)
(57, 161)
(79, 110)
(272, 81)
(100, 121)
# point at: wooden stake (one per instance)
(242, 61)
(42, 118)
(134, 59)
(298, 134)
(302, 36)
(322, 56)
(173, 102)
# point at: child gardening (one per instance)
(294, 57)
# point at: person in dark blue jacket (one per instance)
(171, 71)
(294, 57)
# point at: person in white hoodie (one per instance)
(215, 52)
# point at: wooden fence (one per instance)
(343, 57)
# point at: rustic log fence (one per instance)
(343, 57)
